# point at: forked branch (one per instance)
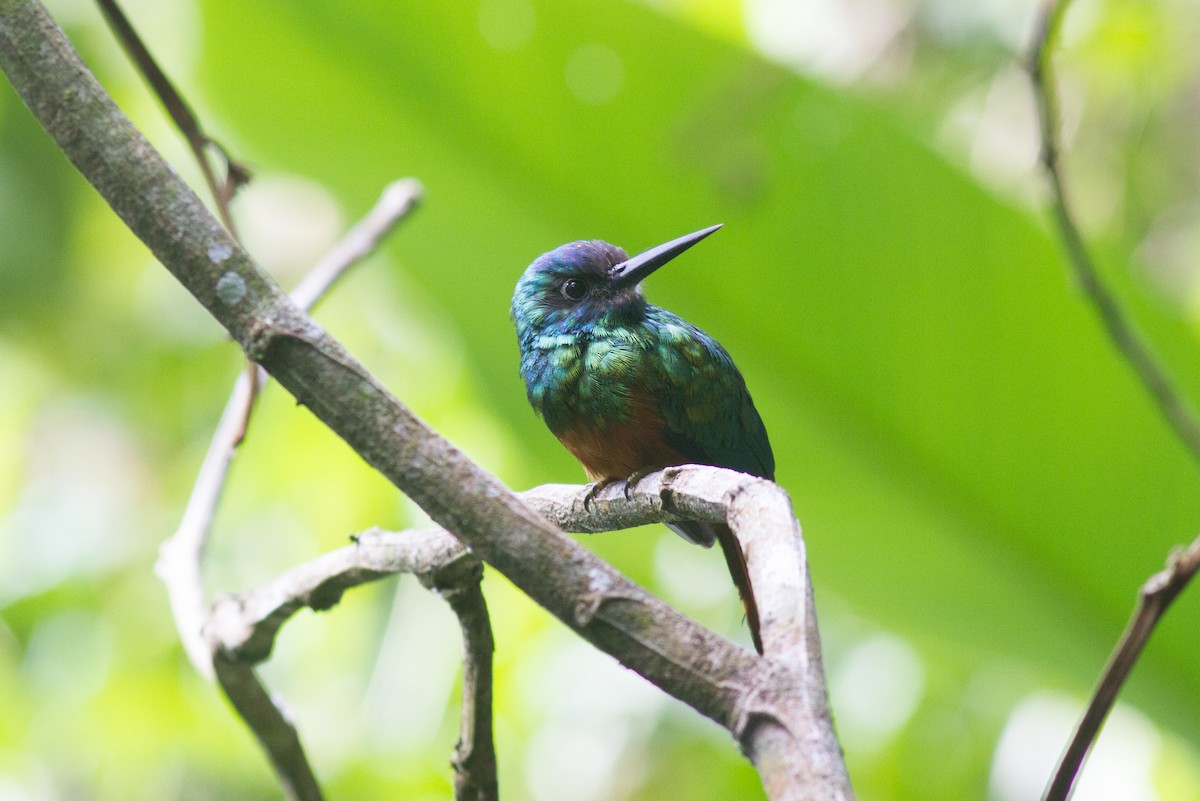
(242, 628)
(241, 631)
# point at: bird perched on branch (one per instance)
(629, 387)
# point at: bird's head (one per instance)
(588, 283)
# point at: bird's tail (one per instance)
(705, 534)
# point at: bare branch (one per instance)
(759, 513)
(241, 632)
(785, 707)
(1154, 598)
(397, 201)
(475, 753)
(162, 210)
(274, 730)
(1171, 403)
(245, 625)
(181, 554)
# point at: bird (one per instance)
(629, 387)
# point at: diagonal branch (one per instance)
(273, 728)
(778, 718)
(1154, 598)
(1157, 594)
(1174, 407)
(396, 202)
(180, 556)
(236, 174)
(163, 211)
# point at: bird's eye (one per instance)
(574, 289)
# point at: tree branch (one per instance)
(236, 174)
(1173, 406)
(181, 555)
(397, 201)
(1154, 598)
(179, 562)
(758, 511)
(764, 702)
(274, 730)
(240, 632)
(475, 754)
(245, 626)
(1161, 589)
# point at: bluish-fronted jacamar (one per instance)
(629, 387)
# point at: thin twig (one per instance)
(1160, 590)
(274, 730)
(398, 199)
(1171, 403)
(475, 754)
(180, 555)
(1154, 599)
(236, 174)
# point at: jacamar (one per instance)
(629, 387)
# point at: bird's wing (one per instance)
(709, 415)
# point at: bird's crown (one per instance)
(570, 284)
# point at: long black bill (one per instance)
(632, 271)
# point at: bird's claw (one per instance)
(604, 483)
(637, 476)
(594, 490)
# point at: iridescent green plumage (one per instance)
(583, 361)
(629, 386)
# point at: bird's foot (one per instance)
(637, 476)
(594, 490)
(604, 483)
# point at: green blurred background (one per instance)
(981, 482)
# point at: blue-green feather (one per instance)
(710, 416)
